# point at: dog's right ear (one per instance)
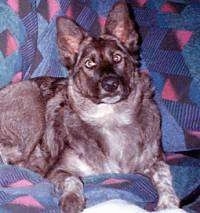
(69, 37)
(120, 25)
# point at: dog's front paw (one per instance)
(72, 203)
(169, 201)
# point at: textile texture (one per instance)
(24, 191)
(170, 51)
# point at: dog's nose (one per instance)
(110, 84)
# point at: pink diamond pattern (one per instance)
(176, 40)
(53, 8)
(14, 5)
(69, 12)
(171, 7)
(27, 201)
(113, 181)
(48, 8)
(139, 3)
(169, 92)
(11, 45)
(183, 37)
(21, 183)
(8, 43)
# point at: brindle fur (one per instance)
(68, 128)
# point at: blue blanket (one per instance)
(24, 191)
(170, 52)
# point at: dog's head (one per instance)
(101, 68)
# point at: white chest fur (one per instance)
(111, 124)
(107, 115)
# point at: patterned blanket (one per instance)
(170, 52)
(24, 191)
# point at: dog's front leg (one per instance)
(72, 198)
(53, 139)
(162, 179)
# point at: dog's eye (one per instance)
(89, 63)
(117, 58)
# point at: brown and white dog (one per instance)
(101, 119)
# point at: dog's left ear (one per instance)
(120, 25)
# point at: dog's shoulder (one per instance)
(50, 86)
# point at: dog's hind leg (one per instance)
(55, 133)
(21, 121)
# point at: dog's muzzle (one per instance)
(110, 83)
(112, 89)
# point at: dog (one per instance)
(101, 119)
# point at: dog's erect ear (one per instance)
(69, 37)
(120, 25)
